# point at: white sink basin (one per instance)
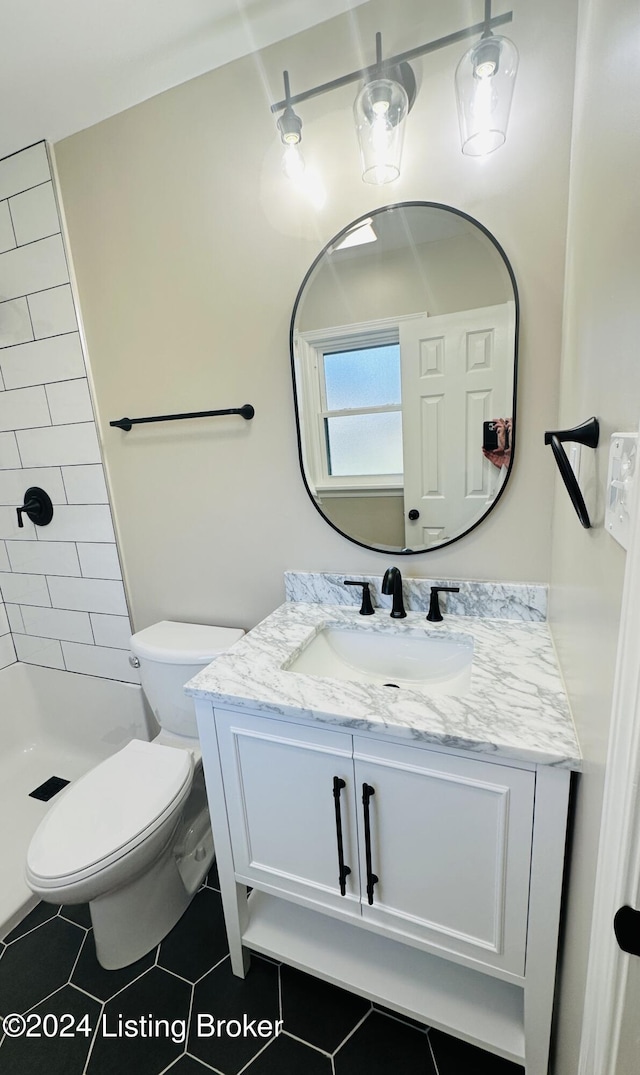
(388, 659)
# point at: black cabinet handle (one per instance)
(343, 871)
(367, 792)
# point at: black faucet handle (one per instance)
(434, 614)
(27, 508)
(366, 608)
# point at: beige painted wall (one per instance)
(601, 376)
(189, 247)
(375, 520)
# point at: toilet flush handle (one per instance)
(134, 662)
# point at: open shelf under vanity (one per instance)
(480, 1009)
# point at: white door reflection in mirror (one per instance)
(453, 381)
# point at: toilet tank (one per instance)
(170, 654)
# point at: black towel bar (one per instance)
(246, 411)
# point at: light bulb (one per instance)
(293, 161)
(486, 69)
(305, 180)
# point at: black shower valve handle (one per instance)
(37, 505)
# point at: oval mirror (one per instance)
(404, 353)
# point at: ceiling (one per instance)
(68, 64)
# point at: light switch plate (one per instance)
(621, 483)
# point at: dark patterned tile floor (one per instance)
(181, 1011)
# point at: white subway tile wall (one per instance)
(9, 455)
(85, 485)
(52, 312)
(7, 652)
(43, 361)
(62, 600)
(15, 325)
(7, 237)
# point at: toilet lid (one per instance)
(183, 643)
(108, 808)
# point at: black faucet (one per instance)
(392, 584)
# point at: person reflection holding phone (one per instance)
(497, 442)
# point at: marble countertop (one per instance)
(516, 706)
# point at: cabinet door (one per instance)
(279, 790)
(450, 843)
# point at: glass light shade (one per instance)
(485, 78)
(380, 110)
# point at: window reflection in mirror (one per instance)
(404, 358)
(363, 416)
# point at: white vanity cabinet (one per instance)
(438, 897)
(409, 841)
(279, 791)
(440, 830)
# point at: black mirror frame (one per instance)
(335, 239)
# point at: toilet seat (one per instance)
(109, 811)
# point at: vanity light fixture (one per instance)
(485, 79)
(484, 86)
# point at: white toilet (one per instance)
(132, 837)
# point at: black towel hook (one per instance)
(587, 433)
